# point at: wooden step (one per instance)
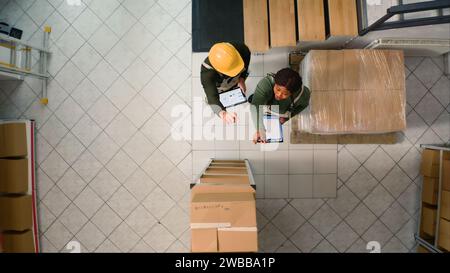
(212, 170)
(343, 18)
(311, 20)
(228, 161)
(256, 25)
(226, 179)
(227, 165)
(282, 23)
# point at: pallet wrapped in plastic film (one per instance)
(354, 92)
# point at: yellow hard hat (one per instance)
(226, 59)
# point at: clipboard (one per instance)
(232, 98)
(274, 129)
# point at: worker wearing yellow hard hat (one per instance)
(225, 68)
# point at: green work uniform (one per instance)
(214, 82)
(264, 101)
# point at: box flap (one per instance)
(238, 209)
(220, 188)
(204, 240)
(238, 240)
(222, 197)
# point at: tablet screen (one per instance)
(274, 131)
(232, 98)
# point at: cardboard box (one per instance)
(14, 175)
(204, 240)
(446, 174)
(445, 205)
(238, 239)
(13, 140)
(444, 234)
(430, 163)
(363, 114)
(392, 102)
(333, 118)
(224, 239)
(15, 213)
(429, 220)
(237, 209)
(430, 190)
(324, 70)
(18, 242)
(355, 91)
(223, 218)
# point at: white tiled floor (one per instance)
(110, 178)
(279, 166)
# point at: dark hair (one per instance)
(290, 79)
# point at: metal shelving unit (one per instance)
(421, 241)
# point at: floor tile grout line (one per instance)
(434, 120)
(443, 76)
(420, 62)
(433, 84)
(421, 134)
(104, 203)
(287, 240)
(351, 175)
(307, 220)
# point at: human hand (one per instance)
(228, 118)
(259, 137)
(242, 85)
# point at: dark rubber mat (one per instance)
(216, 21)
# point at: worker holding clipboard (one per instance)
(277, 98)
(223, 76)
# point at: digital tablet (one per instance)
(274, 130)
(232, 98)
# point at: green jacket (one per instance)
(212, 80)
(264, 96)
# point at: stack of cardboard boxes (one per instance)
(223, 209)
(430, 170)
(354, 92)
(16, 204)
(444, 213)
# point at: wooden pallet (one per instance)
(307, 138)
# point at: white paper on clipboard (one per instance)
(274, 131)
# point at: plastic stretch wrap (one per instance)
(354, 91)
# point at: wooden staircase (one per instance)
(282, 23)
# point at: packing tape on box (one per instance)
(210, 225)
(249, 229)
